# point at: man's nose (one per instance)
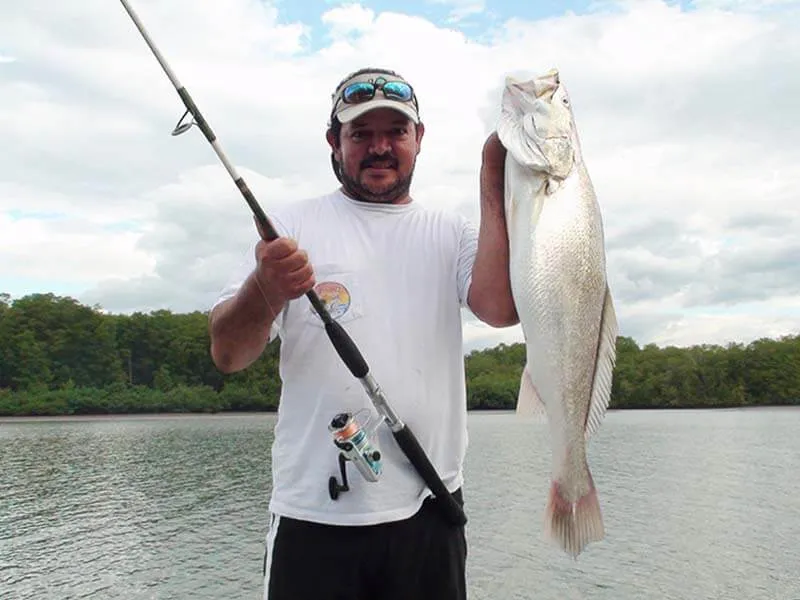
(381, 144)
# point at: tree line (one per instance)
(60, 357)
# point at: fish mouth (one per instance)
(541, 88)
(545, 86)
(525, 129)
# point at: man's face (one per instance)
(377, 154)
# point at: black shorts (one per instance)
(420, 558)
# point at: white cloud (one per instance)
(461, 9)
(750, 5)
(478, 335)
(348, 19)
(33, 247)
(686, 118)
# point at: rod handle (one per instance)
(347, 349)
(450, 508)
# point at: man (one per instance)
(395, 275)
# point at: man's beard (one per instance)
(389, 195)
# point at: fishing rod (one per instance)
(345, 346)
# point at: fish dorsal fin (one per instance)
(529, 403)
(604, 367)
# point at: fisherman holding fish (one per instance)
(396, 275)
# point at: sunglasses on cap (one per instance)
(362, 91)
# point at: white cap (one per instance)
(347, 112)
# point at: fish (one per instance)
(561, 291)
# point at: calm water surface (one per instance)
(697, 504)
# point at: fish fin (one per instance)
(529, 403)
(604, 367)
(515, 128)
(513, 136)
(573, 525)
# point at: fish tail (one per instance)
(574, 525)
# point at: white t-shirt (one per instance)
(396, 277)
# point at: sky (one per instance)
(686, 113)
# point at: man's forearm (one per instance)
(490, 297)
(239, 327)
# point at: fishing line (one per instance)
(342, 342)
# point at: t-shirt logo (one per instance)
(334, 296)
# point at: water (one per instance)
(697, 504)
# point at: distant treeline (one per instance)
(59, 357)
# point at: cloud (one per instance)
(34, 248)
(686, 117)
(201, 229)
(348, 19)
(742, 5)
(461, 9)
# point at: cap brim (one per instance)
(353, 111)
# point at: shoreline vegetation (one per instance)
(61, 358)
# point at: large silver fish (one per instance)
(560, 288)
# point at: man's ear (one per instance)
(334, 144)
(420, 133)
(331, 139)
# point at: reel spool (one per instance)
(356, 446)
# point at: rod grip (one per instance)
(451, 509)
(347, 349)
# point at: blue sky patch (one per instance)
(443, 14)
(474, 18)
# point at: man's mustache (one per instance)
(373, 159)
